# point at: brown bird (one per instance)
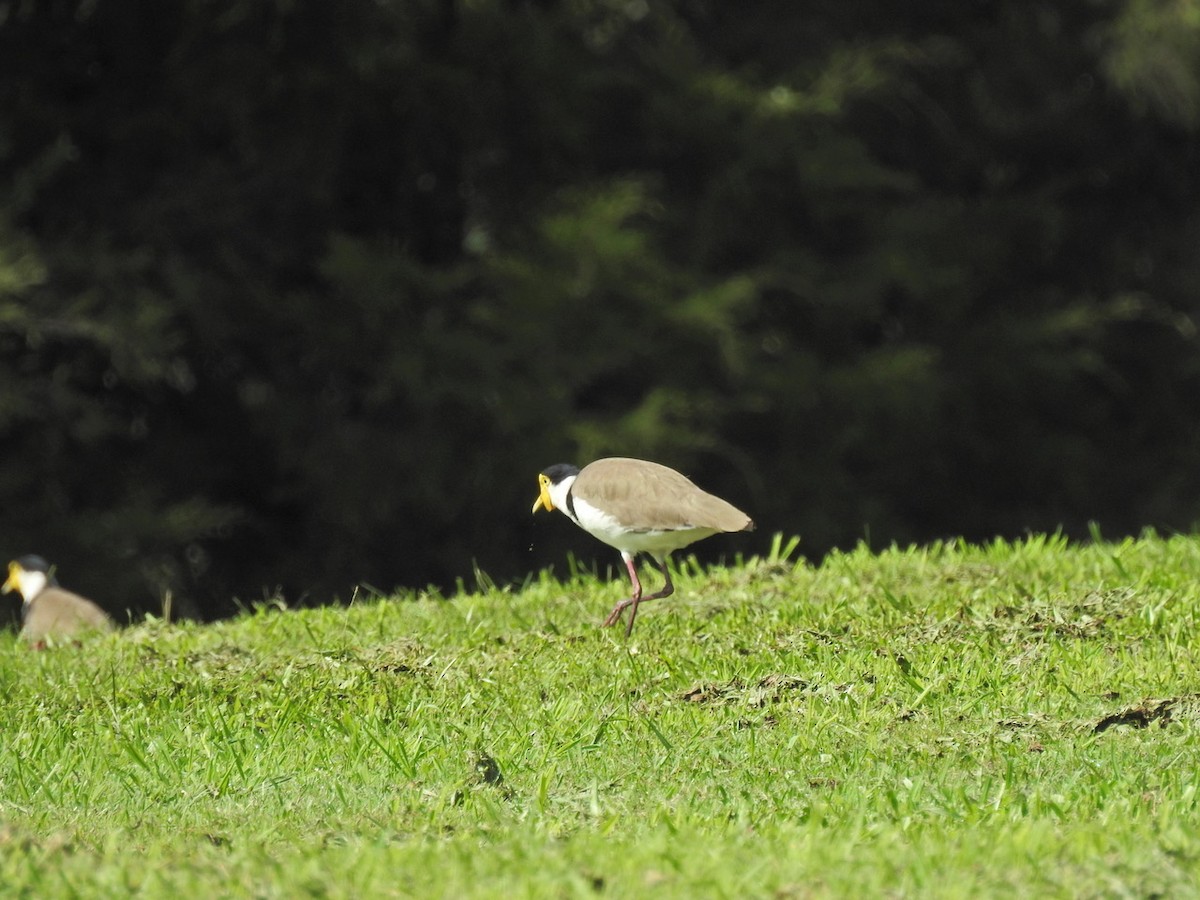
(637, 507)
(50, 611)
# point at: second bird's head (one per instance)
(29, 576)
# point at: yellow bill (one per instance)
(543, 501)
(14, 578)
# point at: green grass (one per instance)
(948, 721)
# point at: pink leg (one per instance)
(615, 615)
(632, 602)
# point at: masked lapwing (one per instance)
(50, 611)
(637, 507)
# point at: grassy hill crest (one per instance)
(947, 720)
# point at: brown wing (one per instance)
(58, 612)
(646, 496)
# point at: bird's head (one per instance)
(29, 576)
(553, 484)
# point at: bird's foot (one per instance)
(615, 616)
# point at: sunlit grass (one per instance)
(940, 721)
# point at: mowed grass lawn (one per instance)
(948, 721)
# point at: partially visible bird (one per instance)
(637, 507)
(50, 611)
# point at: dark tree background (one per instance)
(297, 296)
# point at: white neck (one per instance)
(30, 584)
(558, 495)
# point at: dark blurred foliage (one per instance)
(296, 296)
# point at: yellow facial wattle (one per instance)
(543, 501)
(14, 578)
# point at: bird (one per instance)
(637, 506)
(50, 611)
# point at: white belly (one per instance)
(604, 527)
